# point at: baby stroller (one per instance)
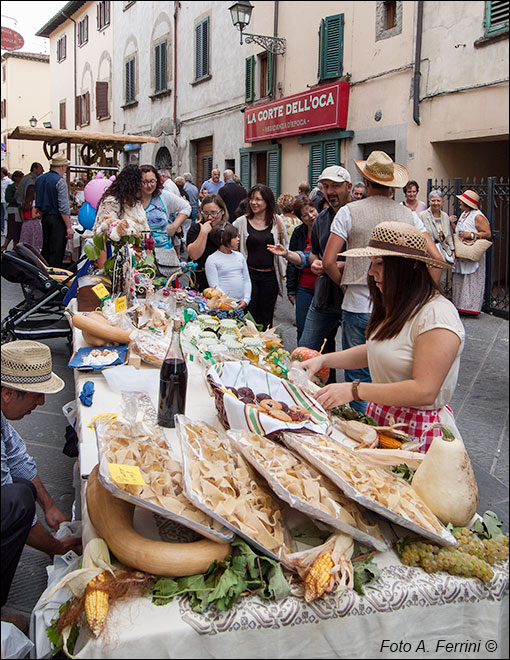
(40, 315)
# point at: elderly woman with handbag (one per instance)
(437, 224)
(472, 230)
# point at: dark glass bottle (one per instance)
(173, 381)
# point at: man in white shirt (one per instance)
(353, 225)
(168, 184)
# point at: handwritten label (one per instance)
(101, 291)
(120, 304)
(126, 474)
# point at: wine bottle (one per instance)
(173, 381)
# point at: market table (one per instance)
(407, 612)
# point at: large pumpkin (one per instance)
(302, 353)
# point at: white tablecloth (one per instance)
(407, 613)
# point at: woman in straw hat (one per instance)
(414, 339)
(469, 276)
(26, 378)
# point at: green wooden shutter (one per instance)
(130, 80)
(249, 81)
(245, 170)
(202, 49)
(496, 17)
(331, 47)
(160, 67)
(273, 172)
(269, 75)
(314, 164)
(331, 153)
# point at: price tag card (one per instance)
(120, 304)
(101, 291)
(126, 474)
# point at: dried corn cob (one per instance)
(387, 442)
(96, 605)
(318, 577)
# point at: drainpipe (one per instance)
(75, 89)
(176, 10)
(417, 62)
(275, 58)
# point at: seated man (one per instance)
(26, 378)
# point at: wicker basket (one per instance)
(218, 400)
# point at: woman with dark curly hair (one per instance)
(121, 201)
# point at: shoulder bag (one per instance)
(472, 250)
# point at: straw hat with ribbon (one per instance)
(26, 366)
(59, 159)
(379, 168)
(396, 239)
(470, 198)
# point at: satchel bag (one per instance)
(167, 260)
(472, 250)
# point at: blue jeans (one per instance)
(319, 325)
(354, 327)
(304, 299)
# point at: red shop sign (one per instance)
(11, 40)
(318, 109)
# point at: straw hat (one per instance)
(470, 198)
(26, 366)
(59, 159)
(379, 168)
(396, 239)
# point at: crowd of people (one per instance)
(350, 258)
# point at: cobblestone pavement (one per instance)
(480, 405)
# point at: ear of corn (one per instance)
(318, 577)
(96, 605)
(387, 442)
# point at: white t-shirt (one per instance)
(392, 360)
(171, 187)
(357, 296)
(229, 273)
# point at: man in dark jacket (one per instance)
(232, 194)
(52, 201)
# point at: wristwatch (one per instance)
(355, 395)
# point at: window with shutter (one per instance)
(322, 154)
(103, 15)
(160, 67)
(77, 111)
(331, 47)
(102, 100)
(273, 172)
(496, 17)
(202, 49)
(83, 31)
(62, 115)
(249, 82)
(61, 48)
(130, 80)
(245, 170)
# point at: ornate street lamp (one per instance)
(240, 13)
(32, 121)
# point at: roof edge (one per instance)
(60, 17)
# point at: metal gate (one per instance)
(494, 204)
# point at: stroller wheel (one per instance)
(7, 336)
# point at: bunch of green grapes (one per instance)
(279, 361)
(472, 557)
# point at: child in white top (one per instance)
(226, 269)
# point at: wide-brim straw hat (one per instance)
(27, 366)
(59, 159)
(470, 198)
(396, 239)
(379, 168)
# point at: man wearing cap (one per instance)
(26, 377)
(353, 225)
(325, 313)
(52, 201)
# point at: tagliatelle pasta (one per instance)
(370, 485)
(144, 446)
(218, 479)
(305, 488)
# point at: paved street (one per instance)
(480, 405)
